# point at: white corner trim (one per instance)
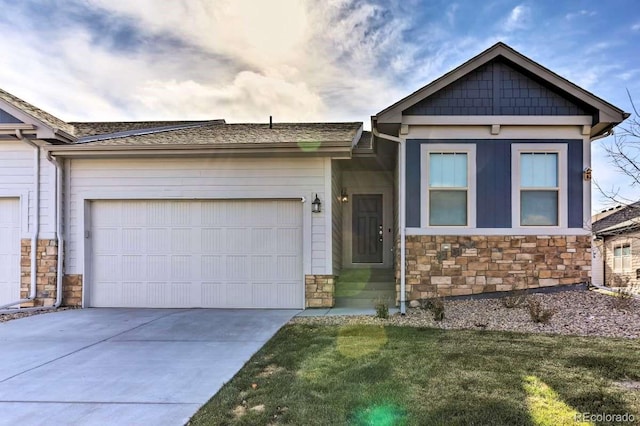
(563, 207)
(470, 150)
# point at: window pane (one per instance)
(447, 208)
(617, 264)
(626, 250)
(539, 170)
(617, 251)
(448, 170)
(626, 263)
(539, 208)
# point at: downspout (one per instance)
(59, 237)
(401, 211)
(36, 222)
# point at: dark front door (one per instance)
(367, 229)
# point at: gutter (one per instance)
(401, 210)
(36, 223)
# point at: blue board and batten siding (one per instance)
(497, 89)
(493, 180)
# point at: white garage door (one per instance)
(210, 254)
(9, 250)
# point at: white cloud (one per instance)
(635, 27)
(580, 13)
(518, 18)
(243, 60)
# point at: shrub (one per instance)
(622, 298)
(514, 299)
(436, 305)
(538, 313)
(382, 308)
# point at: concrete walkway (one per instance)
(124, 366)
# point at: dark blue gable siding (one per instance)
(5, 117)
(496, 89)
(493, 184)
(493, 181)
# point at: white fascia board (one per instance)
(503, 120)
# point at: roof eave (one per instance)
(259, 149)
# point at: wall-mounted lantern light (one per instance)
(586, 174)
(315, 206)
(344, 197)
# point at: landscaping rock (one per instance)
(581, 313)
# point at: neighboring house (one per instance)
(472, 184)
(616, 246)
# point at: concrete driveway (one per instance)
(124, 366)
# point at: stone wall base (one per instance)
(463, 265)
(46, 272)
(72, 290)
(319, 291)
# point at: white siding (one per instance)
(597, 262)
(17, 179)
(197, 179)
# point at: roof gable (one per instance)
(606, 115)
(498, 88)
(46, 126)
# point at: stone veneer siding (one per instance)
(479, 264)
(46, 271)
(72, 290)
(319, 291)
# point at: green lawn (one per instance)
(374, 375)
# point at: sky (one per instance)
(299, 61)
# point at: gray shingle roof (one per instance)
(212, 133)
(37, 113)
(84, 129)
(625, 218)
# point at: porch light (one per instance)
(344, 197)
(315, 206)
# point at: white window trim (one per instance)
(466, 148)
(563, 208)
(622, 269)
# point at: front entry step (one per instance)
(363, 288)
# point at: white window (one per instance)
(622, 257)
(448, 175)
(539, 185)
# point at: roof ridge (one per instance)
(146, 131)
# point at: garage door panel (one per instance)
(212, 267)
(237, 240)
(133, 267)
(219, 254)
(106, 268)
(157, 240)
(263, 240)
(106, 240)
(181, 267)
(213, 240)
(132, 240)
